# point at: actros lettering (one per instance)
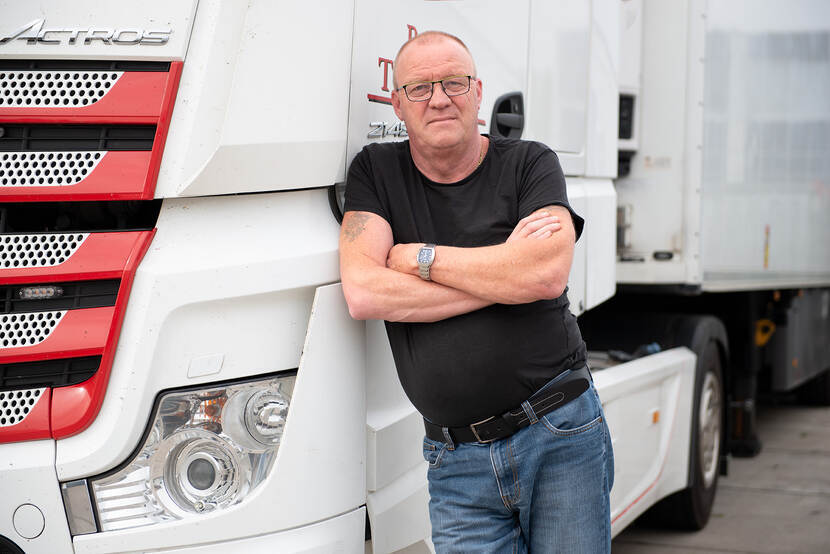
(35, 32)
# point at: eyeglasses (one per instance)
(453, 86)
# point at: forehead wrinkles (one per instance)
(432, 60)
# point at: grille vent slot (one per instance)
(48, 373)
(27, 329)
(82, 65)
(68, 89)
(78, 217)
(16, 405)
(74, 138)
(31, 169)
(42, 250)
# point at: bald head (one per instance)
(425, 38)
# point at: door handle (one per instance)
(512, 120)
(508, 116)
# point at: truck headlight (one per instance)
(206, 450)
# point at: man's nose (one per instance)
(439, 97)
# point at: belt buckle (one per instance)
(475, 433)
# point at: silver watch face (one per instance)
(425, 256)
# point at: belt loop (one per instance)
(531, 415)
(448, 438)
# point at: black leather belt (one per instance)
(553, 395)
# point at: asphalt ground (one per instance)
(777, 502)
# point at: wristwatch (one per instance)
(426, 255)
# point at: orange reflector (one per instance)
(655, 416)
(764, 328)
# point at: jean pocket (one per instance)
(433, 452)
(580, 415)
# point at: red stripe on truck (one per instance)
(118, 175)
(136, 98)
(100, 256)
(79, 333)
(75, 407)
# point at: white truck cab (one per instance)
(178, 368)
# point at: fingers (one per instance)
(532, 226)
(546, 231)
(403, 258)
(394, 257)
(536, 225)
(532, 217)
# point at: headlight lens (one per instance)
(206, 450)
(265, 416)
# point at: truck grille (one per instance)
(80, 147)
(72, 138)
(27, 169)
(101, 126)
(55, 88)
(50, 373)
(38, 250)
(16, 405)
(83, 65)
(27, 329)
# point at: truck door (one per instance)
(496, 34)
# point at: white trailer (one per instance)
(723, 195)
(178, 370)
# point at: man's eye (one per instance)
(419, 89)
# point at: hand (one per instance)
(540, 224)
(403, 258)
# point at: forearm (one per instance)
(533, 264)
(511, 273)
(381, 293)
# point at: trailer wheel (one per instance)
(690, 508)
(708, 421)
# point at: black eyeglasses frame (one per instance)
(432, 88)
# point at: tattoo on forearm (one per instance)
(355, 225)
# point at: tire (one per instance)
(689, 509)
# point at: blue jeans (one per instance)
(544, 489)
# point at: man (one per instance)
(463, 244)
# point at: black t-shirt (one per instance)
(469, 367)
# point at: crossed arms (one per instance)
(380, 279)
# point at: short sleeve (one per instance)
(361, 187)
(542, 183)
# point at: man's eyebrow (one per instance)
(428, 80)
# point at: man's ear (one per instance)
(479, 88)
(396, 104)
